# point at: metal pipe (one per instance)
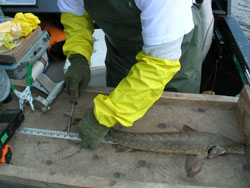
(229, 7)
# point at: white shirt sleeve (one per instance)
(165, 20)
(164, 24)
(73, 6)
(169, 50)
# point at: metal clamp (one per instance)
(44, 83)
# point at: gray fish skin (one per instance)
(198, 143)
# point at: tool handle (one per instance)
(54, 93)
(6, 154)
(77, 96)
(12, 87)
(29, 78)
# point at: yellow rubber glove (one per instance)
(137, 92)
(8, 41)
(78, 30)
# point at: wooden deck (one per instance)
(48, 162)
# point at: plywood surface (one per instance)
(48, 162)
(243, 117)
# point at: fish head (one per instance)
(216, 150)
(224, 146)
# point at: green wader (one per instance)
(120, 21)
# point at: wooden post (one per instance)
(243, 118)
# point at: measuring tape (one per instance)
(54, 134)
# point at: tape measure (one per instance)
(54, 134)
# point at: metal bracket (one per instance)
(46, 85)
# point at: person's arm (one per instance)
(78, 48)
(137, 92)
(163, 29)
(143, 86)
(130, 100)
(78, 30)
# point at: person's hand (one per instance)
(77, 76)
(91, 131)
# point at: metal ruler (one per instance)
(54, 134)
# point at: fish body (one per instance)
(198, 145)
(190, 142)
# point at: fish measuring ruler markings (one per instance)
(54, 134)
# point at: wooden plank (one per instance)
(198, 100)
(170, 97)
(35, 178)
(243, 114)
(206, 113)
(48, 162)
(183, 98)
(243, 118)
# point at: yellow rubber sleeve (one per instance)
(137, 92)
(78, 31)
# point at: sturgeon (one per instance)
(198, 145)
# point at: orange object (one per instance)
(6, 154)
(56, 35)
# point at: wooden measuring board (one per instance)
(50, 162)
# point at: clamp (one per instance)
(25, 96)
(46, 85)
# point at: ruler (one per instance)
(54, 134)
